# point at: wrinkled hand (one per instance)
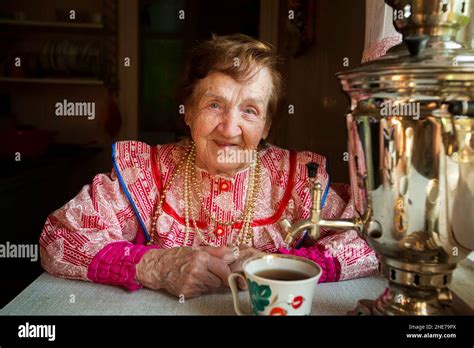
(243, 254)
(185, 271)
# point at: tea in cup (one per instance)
(277, 284)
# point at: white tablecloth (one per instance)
(49, 295)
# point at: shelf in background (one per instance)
(57, 81)
(44, 24)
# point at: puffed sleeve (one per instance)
(91, 237)
(342, 255)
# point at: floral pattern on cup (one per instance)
(278, 311)
(295, 302)
(259, 296)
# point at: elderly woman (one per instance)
(182, 217)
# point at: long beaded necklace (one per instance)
(190, 179)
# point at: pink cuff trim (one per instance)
(330, 265)
(116, 264)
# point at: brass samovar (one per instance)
(411, 146)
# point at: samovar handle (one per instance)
(461, 107)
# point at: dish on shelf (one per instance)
(72, 57)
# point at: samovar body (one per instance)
(414, 177)
(411, 158)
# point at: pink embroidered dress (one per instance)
(101, 234)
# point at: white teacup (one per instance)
(277, 284)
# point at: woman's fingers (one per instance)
(224, 253)
(211, 281)
(236, 267)
(242, 284)
(219, 268)
(188, 271)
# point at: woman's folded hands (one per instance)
(191, 272)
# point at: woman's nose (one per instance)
(230, 124)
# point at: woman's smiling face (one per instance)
(228, 116)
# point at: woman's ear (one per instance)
(187, 118)
(188, 114)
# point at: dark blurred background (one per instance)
(127, 56)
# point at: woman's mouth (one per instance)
(221, 144)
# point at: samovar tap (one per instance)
(315, 222)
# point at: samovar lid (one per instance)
(428, 60)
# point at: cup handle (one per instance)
(235, 290)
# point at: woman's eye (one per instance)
(214, 106)
(250, 111)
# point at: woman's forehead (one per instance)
(220, 85)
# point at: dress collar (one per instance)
(240, 173)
